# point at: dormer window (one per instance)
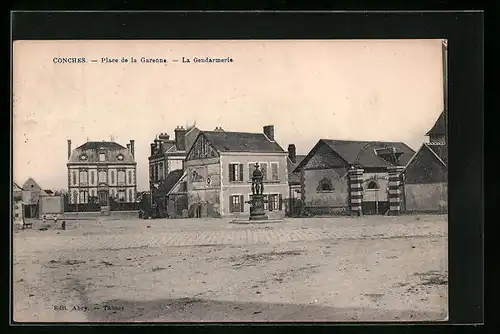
(102, 156)
(83, 157)
(120, 157)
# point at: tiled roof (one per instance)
(171, 180)
(242, 142)
(441, 150)
(439, 127)
(91, 151)
(350, 151)
(294, 178)
(363, 152)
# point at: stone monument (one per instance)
(257, 198)
(257, 201)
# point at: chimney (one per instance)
(180, 138)
(292, 153)
(132, 148)
(269, 132)
(164, 137)
(153, 147)
(69, 148)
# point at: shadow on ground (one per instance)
(192, 309)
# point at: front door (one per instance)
(103, 197)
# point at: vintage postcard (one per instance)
(214, 181)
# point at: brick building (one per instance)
(166, 157)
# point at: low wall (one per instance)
(95, 215)
(432, 197)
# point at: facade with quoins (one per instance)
(102, 170)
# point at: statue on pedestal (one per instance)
(257, 200)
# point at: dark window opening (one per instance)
(325, 185)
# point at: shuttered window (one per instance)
(235, 172)
(251, 168)
(274, 172)
(263, 169)
(236, 203)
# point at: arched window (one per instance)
(75, 196)
(373, 185)
(325, 184)
(130, 197)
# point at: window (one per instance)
(251, 168)
(112, 176)
(274, 172)
(102, 156)
(263, 169)
(74, 177)
(151, 173)
(103, 176)
(75, 196)
(121, 195)
(236, 203)
(121, 176)
(130, 176)
(92, 177)
(373, 185)
(83, 176)
(83, 196)
(130, 197)
(325, 184)
(275, 202)
(183, 186)
(156, 173)
(235, 172)
(161, 172)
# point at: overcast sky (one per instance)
(366, 90)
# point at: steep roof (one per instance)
(16, 186)
(91, 151)
(242, 142)
(441, 150)
(294, 178)
(171, 180)
(362, 152)
(439, 127)
(31, 184)
(96, 145)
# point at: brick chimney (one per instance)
(69, 148)
(269, 132)
(292, 153)
(132, 148)
(180, 138)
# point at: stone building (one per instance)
(293, 203)
(426, 181)
(325, 181)
(17, 204)
(100, 172)
(31, 194)
(167, 156)
(219, 167)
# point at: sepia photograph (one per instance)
(229, 181)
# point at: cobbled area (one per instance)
(318, 269)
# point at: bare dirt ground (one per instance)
(317, 269)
